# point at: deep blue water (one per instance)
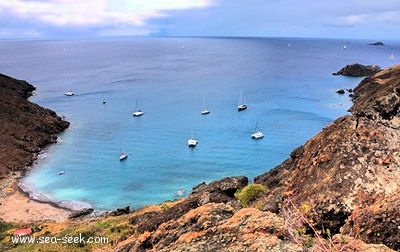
(287, 84)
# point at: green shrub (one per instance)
(104, 224)
(250, 193)
(164, 207)
(4, 227)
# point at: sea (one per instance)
(287, 84)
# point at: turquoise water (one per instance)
(287, 84)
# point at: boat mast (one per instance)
(241, 98)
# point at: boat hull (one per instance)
(257, 135)
(69, 94)
(137, 113)
(192, 143)
(123, 157)
(241, 107)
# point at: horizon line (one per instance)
(189, 36)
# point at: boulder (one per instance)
(120, 211)
(80, 213)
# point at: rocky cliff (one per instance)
(25, 127)
(349, 173)
(337, 192)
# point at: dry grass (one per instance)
(116, 229)
(298, 221)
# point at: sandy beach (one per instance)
(17, 208)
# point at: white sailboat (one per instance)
(257, 134)
(205, 110)
(69, 93)
(137, 111)
(123, 156)
(192, 142)
(242, 104)
(180, 192)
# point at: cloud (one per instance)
(351, 20)
(93, 18)
(95, 12)
(391, 17)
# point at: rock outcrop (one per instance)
(377, 43)
(25, 127)
(216, 192)
(358, 70)
(210, 219)
(80, 213)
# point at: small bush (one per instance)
(250, 193)
(4, 227)
(164, 207)
(103, 224)
(297, 221)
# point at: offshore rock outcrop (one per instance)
(358, 70)
(25, 127)
(377, 43)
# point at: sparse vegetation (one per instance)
(298, 221)
(104, 224)
(114, 229)
(4, 227)
(250, 193)
(164, 207)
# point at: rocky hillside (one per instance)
(339, 191)
(25, 127)
(349, 173)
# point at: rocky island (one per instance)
(337, 192)
(358, 70)
(376, 43)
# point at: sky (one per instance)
(363, 19)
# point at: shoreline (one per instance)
(16, 207)
(28, 129)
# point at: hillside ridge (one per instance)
(26, 128)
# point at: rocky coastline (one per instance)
(351, 165)
(26, 127)
(337, 192)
